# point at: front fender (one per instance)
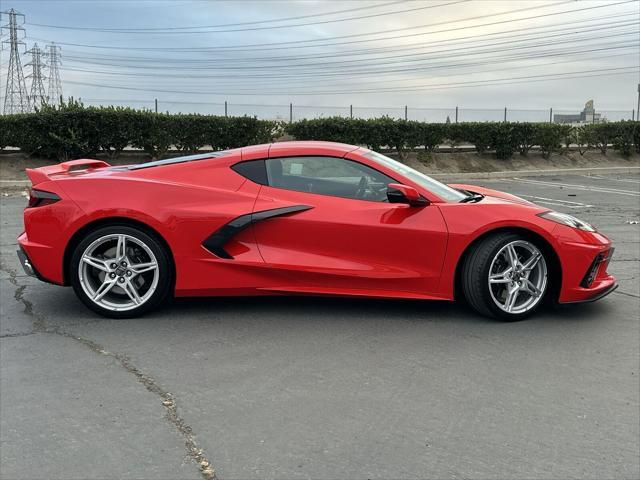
(467, 223)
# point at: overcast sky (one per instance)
(479, 54)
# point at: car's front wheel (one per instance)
(506, 276)
(120, 271)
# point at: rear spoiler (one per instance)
(43, 174)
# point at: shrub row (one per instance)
(503, 138)
(74, 131)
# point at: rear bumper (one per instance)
(26, 264)
(39, 261)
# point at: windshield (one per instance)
(440, 189)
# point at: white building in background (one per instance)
(588, 115)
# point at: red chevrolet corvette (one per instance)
(300, 218)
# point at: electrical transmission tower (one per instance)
(55, 85)
(38, 95)
(16, 99)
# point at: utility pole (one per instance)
(55, 84)
(37, 97)
(638, 110)
(16, 98)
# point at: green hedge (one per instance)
(503, 138)
(74, 131)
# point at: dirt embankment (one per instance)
(12, 164)
(471, 162)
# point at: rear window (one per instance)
(174, 160)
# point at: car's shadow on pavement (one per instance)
(305, 308)
(60, 307)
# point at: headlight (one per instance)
(568, 220)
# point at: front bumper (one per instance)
(601, 294)
(584, 268)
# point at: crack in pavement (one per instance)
(39, 325)
(620, 292)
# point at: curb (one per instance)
(455, 177)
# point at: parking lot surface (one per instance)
(328, 388)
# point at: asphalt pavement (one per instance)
(328, 388)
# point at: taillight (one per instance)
(40, 198)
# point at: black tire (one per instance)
(475, 275)
(165, 272)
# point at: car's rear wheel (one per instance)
(120, 271)
(506, 276)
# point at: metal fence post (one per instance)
(551, 115)
(291, 113)
(156, 102)
(225, 108)
(406, 116)
(456, 114)
(505, 114)
(633, 114)
(350, 111)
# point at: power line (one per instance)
(380, 69)
(378, 62)
(580, 57)
(273, 27)
(412, 89)
(483, 63)
(274, 20)
(296, 43)
(574, 29)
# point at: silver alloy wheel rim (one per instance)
(518, 277)
(112, 279)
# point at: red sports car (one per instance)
(300, 218)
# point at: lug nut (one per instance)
(121, 279)
(123, 264)
(128, 273)
(112, 275)
(114, 265)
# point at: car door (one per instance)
(329, 227)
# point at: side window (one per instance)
(254, 170)
(336, 177)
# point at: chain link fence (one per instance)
(292, 112)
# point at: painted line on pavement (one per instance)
(629, 193)
(598, 177)
(556, 201)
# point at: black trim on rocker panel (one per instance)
(216, 241)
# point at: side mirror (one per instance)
(398, 193)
